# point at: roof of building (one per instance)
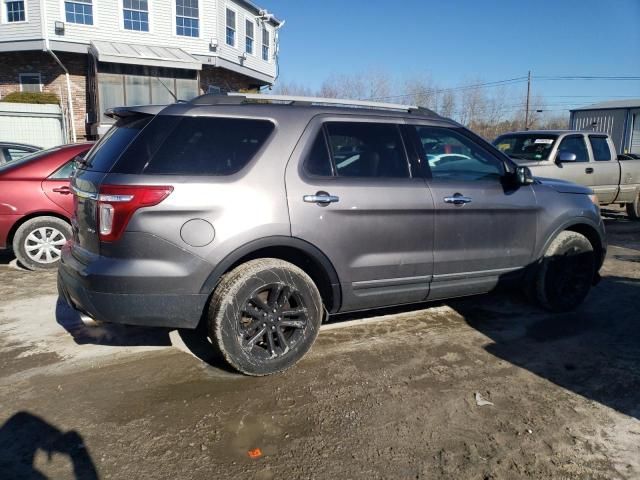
(152, 56)
(274, 20)
(611, 104)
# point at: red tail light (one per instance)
(117, 203)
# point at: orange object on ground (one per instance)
(255, 453)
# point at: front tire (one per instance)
(566, 272)
(633, 209)
(37, 243)
(264, 316)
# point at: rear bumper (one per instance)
(173, 310)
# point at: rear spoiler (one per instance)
(124, 112)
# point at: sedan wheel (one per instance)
(38, 242)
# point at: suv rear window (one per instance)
(176, 145)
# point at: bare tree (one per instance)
(293, 88)
(447, 104)
(421, 91)
(488, 111)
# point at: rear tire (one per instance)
(37, 242)
(566, 272)
(264, 316)
(633, 209)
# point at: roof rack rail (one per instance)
(235, 98)
(299, 100)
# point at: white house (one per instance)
(96, 54)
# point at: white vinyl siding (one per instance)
(23, 30)
(108, 25)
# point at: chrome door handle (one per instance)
(321, 197)
(457, 199)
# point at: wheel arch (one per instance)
(294, 250)
(31, 216)
(585, 227)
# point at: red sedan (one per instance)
(36, 205)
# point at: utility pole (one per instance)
(526, 112)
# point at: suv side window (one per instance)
(451, 155)
(176, 145)
(370, 150)
(318, 161)
(600, 148)
(575, 145)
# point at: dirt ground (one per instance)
(393, 396)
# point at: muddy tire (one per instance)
(38, 242)
(566, 272)
(633, 209)
(264, 316)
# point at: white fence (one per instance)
(41, 125)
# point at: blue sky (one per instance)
(459, 41)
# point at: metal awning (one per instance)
(149, 55)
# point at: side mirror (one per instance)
(524, 176)
(566, 156)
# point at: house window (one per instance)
(265, 44)
(79, 11)
(248, 43)
(187, 18)
(30, 82)
(231, 28)
(15, 11)
(136, 15)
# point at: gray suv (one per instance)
(262, 215)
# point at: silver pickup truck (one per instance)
(587, 158)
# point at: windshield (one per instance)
(531, 146)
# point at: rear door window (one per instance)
(600, 148)
(172, 145)
(361, 149)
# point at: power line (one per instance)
(496, 83)
(591, 96)
(586, 77)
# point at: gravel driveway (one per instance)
(391, 396)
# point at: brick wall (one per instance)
(227, 80)
(53, 78)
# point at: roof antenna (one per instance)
(168, 89)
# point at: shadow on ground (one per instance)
(24, 434)
(111, 334)
(594, 351)
(108, 333)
